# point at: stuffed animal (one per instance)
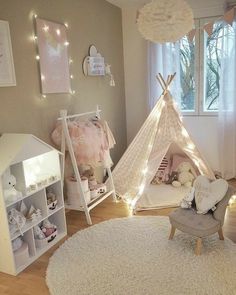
(89, 174)
(48, 228)
(51, 197)
(9, 191)
(38, 234)
(187, 201)
(172, 177)
(186, 175)
(51, 200)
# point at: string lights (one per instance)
(232, 200)
(46, 29)
(184, 133)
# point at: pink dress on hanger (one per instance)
(89, 140)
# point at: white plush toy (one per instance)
(9, 191)
(186, 175)
(48, 228)
(186, 202)
(38, 234)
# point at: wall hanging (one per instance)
(165, 21)
(7, 70)
(53, 57)
(94, 65)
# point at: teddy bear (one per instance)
(186, 175)
(89, 174)
(48, 228)
(9, 191)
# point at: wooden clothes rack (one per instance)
(66, 140)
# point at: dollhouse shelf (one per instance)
(36, 167)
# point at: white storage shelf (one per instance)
(36, 167)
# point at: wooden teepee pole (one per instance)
(159, 80)
(172, 77)
(163, 81)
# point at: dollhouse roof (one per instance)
(15, 148)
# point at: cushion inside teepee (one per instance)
(158, 194)
(169, 164)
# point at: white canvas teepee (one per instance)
(162, 128)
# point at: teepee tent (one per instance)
(162, 131)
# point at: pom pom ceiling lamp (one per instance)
(163, 21)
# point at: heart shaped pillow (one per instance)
(208, 194)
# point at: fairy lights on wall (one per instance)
(34, 38)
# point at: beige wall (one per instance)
(22, 109)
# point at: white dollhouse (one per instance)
(35, 166)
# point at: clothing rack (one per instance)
(66, 140)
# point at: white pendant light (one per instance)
(165, 21)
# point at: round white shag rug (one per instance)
(133, 256)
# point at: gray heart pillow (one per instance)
(208, 194)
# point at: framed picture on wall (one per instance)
(7, 70)
(53, 57)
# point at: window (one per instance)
(187, 73)
(200, 70)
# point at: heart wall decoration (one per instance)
(163, 21)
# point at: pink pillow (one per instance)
(178, 159)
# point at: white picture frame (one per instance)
(7, 69)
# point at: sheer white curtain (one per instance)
(164, 59)
(227, 104)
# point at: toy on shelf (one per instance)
(38, 234)
(47, 180)
(9, 191)
(33, 214)
(97, 190)
(51, 200)
(48, 228)
(16, 221)
(45, 233)
(89, 175)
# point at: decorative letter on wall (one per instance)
(7, 71)
(53, 57)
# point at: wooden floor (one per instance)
(32, 280)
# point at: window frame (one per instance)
(200, 71)
(196, 70)
(201, 81)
